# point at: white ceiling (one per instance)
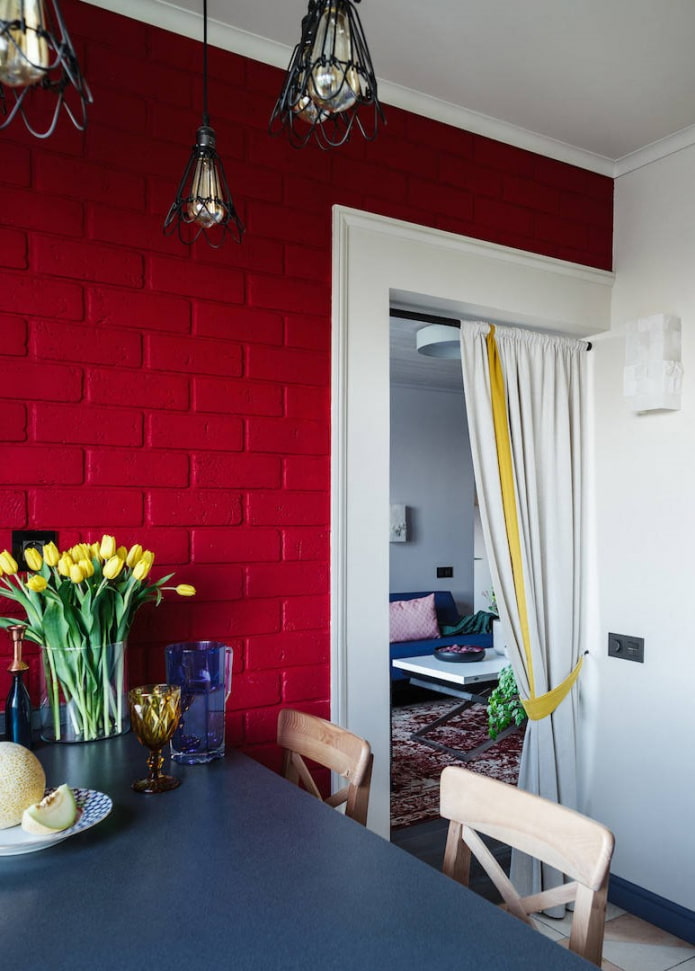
(606, 84)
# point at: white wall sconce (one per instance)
(399, 523)
(653, 372)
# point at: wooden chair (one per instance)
(305, 736)
(577, 846)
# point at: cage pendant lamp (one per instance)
(330, 87)
(39, 72)
(203, 203)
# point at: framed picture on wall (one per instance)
(399, 527)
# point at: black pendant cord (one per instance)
(206, 118)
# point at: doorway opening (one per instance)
(438, 704)
(379, 263)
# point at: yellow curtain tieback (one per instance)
(544, 705)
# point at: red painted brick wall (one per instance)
(180, 397)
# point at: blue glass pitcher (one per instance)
(203, 669)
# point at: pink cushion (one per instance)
(413, 620)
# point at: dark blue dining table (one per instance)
(238, 869)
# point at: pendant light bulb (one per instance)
(39, 72)
(24, 52)
(308, 111)
(330, 86)
(334, 84)
(204, 204)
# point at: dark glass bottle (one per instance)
(18, 704)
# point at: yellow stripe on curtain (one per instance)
(544, 705)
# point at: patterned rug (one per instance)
(415, 768)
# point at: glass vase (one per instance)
(83, 693)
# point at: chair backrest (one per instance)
(577, 846)
(305, 736)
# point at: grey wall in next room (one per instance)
(432, 475)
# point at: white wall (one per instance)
(638, 718)
(432, 474)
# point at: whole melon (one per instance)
(22, 782)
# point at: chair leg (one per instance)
(588, 923)
(457, 855)
(288, 770)
(358, 797)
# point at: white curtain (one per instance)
(528, 388)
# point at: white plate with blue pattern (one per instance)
(94, 806)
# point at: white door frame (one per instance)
(377, 262)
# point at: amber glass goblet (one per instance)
(155, 710)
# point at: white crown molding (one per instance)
(168, 16)
(501, 131)
(684, 138)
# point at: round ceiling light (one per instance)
(439, 340)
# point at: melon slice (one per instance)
(56, 811)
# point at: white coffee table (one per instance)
(453, 678)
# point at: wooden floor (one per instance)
(426, 841)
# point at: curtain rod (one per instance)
(445, 321)
(425, 318)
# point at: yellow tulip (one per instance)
(64, 564)
(76, 573)
(37, 583)
(87, 567)
(51, 554)
(149, 556)
(134, 555)
(141, 568)
(8, 563)
(122, 552)
(33, 558)
(113, 567)
(185, 590)
(94, 551)
(107, 547)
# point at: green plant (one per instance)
(504, 706)
(491, 598)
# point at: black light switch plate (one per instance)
(445, 571)
(626, 646)
(23, 539)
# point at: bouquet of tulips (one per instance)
(79, 606)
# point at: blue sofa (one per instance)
(447, 615)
